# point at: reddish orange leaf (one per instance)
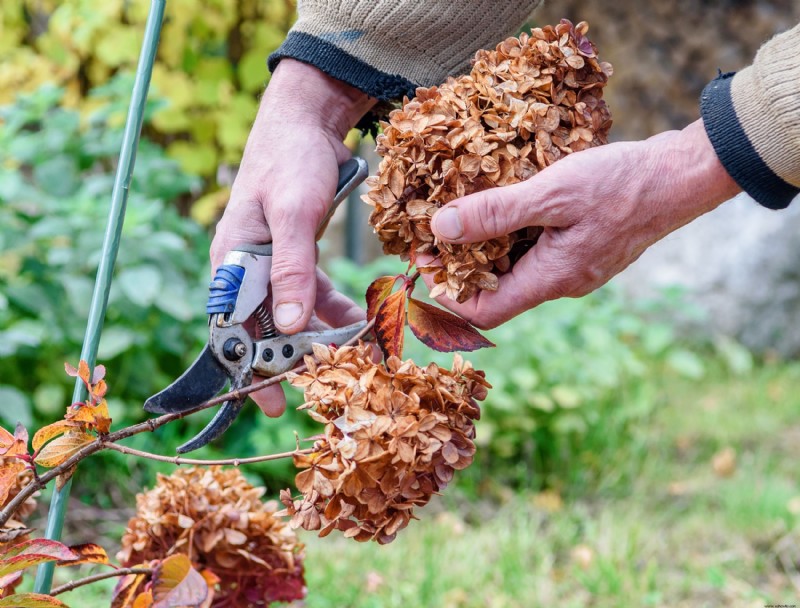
(59, 450)
(9, 469)
(88, 553)
(31, 600)
(442, 330)
(99, 390)
(176, 584)
(11, 445)
(143, 600)
(83, 371)
(46, 433)
(93, 416)
(32, 553)
(9, 534)
(377, 292)
(126, 589)
(390, 324)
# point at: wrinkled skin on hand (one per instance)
(600, 209)
(285, 185)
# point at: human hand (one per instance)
(600, 209)
(285, 186)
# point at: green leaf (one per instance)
(114, 341)
(141, 284)
(50, 399)
(686, 363)
(15, 406)
(57, 176)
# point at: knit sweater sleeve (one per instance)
(387, 48)
(753, 121)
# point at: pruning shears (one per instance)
(243, 339)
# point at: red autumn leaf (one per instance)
(390, 324)
(31, 600)
(88, 553)
(32, 553)
(9, 581)
(59, 450)
(377, 292)
(176, 584)
(442, 330)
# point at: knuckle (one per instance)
(489, 214)
(290, 275)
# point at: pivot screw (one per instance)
(234, 349)
(288, 351)
(267, 355)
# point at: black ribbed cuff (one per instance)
(736, 152)
(341, 65)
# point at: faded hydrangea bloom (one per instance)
(524, 105)
(217, 518)
(394, 435)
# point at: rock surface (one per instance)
(741, 263)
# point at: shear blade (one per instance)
(204, 379)
(220, 422)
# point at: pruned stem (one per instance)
(148, 425)
(178, 460)
(99, 577)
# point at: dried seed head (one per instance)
(526, 104)
(394, 435)
(217, 517)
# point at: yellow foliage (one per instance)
(211, 64)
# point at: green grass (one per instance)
(661, 528)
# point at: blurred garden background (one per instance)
(640, 445)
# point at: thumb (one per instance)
(495, 212)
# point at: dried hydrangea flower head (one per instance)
(523, 106)
(394, 435)
(217, 518)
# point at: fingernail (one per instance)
(448, 224)
(288, 313)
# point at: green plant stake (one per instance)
(102, 286)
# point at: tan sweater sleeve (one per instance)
(753, 120)
(386, 48)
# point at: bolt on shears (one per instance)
(243, 339)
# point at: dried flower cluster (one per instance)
(218, 519)
(394, 435)
(522, 107)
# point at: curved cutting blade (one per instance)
(204, 379)
(221, 421)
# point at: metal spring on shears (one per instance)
(265, 322)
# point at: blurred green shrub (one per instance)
(570, 381)
(211, 64)
(56, 176)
